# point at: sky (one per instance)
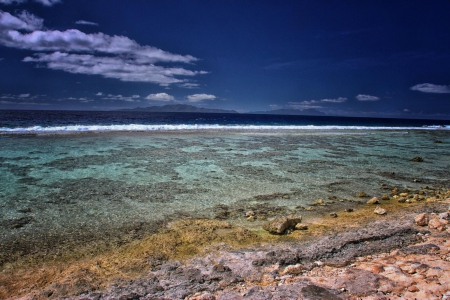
(348, 58)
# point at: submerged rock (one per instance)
(280, 225)
(362, 194)
(417, 159)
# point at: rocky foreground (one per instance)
(403, 256)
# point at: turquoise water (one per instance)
(61, 191)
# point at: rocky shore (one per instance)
(401, 253)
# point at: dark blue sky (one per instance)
(367, 58)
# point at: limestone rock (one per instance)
(280, 225)
(380, 211)
(374, 200)
(422, 219)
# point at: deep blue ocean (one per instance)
(57, 121)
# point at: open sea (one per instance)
(72, 178)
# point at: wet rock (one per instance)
(401, 200)
(333, 215)
(438, 141)
(362, 195)
(380, 211)
(349, 210)
(422, 219)
(374, 200)
(417, 159)
(280, 225)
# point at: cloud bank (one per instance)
(361, 97)
(431, 88)
(74, 51)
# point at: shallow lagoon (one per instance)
(63, 192)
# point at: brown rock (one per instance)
(377, 269)
(437, 223)
(422, 219)
(333, 215)
(413, 289)
(401, 200)
(292, 270)
(362, 194)
(374, 200)
(380, 211)
(300, 226)
(385, 197)
(317, 202)
(280, 225)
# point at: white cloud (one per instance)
(74, 51)
(336, 100)
(99, 94)
(43, 2)
(200, 97)
(47, 2)
(23, 21)
(24, 95)
(121, 68)
(304, 104)
(431, 88)
(82, 22)
(361, 97)
(122, 98)
(315, 103)
(160, 97)
(189, 85)
(406, 110)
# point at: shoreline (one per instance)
(218, 249)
